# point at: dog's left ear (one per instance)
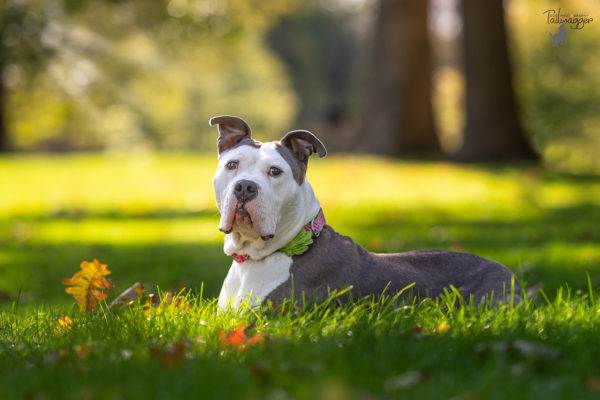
(303, 144)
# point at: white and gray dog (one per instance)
(281, 246)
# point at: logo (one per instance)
(560, 37)
(573, 20)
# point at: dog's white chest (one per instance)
(254, 280)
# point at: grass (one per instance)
(152, 219)
(369, 350)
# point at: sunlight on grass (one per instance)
(154, 214)
(136, 184)
(145, 183)
(125, 231)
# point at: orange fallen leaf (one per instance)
(87, 285)
(235, 338)
(255, 339)
(238, 339)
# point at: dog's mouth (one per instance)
(242, 218)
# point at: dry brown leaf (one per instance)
(173, 353)
(129, 296)
(155, 305)
(87, 285)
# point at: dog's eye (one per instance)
(274, 171)
(232, 164)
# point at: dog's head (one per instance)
(261, 188)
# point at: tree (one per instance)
(4, 143)
(21, 24)
(493, 131)
(398, 116)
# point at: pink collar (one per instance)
(315, 226)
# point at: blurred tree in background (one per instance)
(122, 75)
(139, 74)
(21, 50)
(558, 87)
(398, 118)
(323, 47)
(493, 130)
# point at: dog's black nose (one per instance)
(245, 190)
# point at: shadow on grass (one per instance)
(547, 250)
(75, 214)
(37, 270)
(553, 248)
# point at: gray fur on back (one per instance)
(334, 261)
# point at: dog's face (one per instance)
(260, 188)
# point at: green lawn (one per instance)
(152, 218)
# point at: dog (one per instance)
(560, 36)
(281, 246)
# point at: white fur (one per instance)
(282, 208)
(254, 280)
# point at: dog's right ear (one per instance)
(232, 130)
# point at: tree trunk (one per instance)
(493, 131)
(398, 117)
(4, 139)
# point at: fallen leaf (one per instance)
(594, 384)
(82, 350)
(153, 300)
(65, 322)
(128, 297)
(234, 339)
(255, 339)
(238, 339)
(155, 305)
(182, 303)
(87, 285)
(173, 353)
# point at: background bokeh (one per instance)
(138, 75)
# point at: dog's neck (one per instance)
(293, 217)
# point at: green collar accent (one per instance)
(299, 244)
(304, 238)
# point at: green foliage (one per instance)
(137, 75)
